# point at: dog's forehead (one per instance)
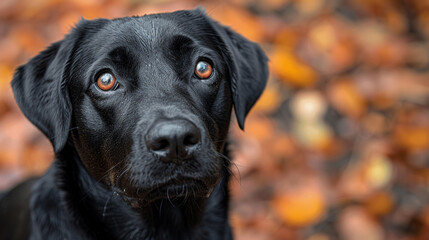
(145, 32)
(146, 46)
(142, 29)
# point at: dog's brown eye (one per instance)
(106, 81)
(203, 70)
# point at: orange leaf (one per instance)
(67, 21)
(283, 146)
(412, 137)
(6, 73)
(286, 37)
(290, 69)
(28, 38)
(300, 208)
(269, 101)
(260, 128)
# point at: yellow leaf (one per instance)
(314, 135)
(308, 105)
(309, 7)
(378, 171)
(323, 36)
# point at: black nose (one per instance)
(173, 140)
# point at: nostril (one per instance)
(158, 144)
(163, 144)
(191, 140)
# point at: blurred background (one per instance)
(338, 145)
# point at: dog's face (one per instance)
(157, 120)
(148, 99)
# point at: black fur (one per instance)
(105, 182)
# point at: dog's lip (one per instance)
(180, 187)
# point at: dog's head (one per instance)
(145, 101)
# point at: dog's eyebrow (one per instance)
(180, 43)
(121, 55)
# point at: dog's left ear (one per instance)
(248, 69)
(40, 89)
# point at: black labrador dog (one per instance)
(137, 110)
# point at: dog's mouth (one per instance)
(193, 179)
(179, 188)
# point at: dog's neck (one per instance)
(96, 207)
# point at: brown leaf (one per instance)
(380, 203)
(346, 98)
(355, 224)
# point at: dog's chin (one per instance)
(184, 189)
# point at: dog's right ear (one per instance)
(41, 94)
(40, 86)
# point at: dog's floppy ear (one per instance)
(40, 88)
(248, 69)
(41, 94)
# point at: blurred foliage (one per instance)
(338, 145)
